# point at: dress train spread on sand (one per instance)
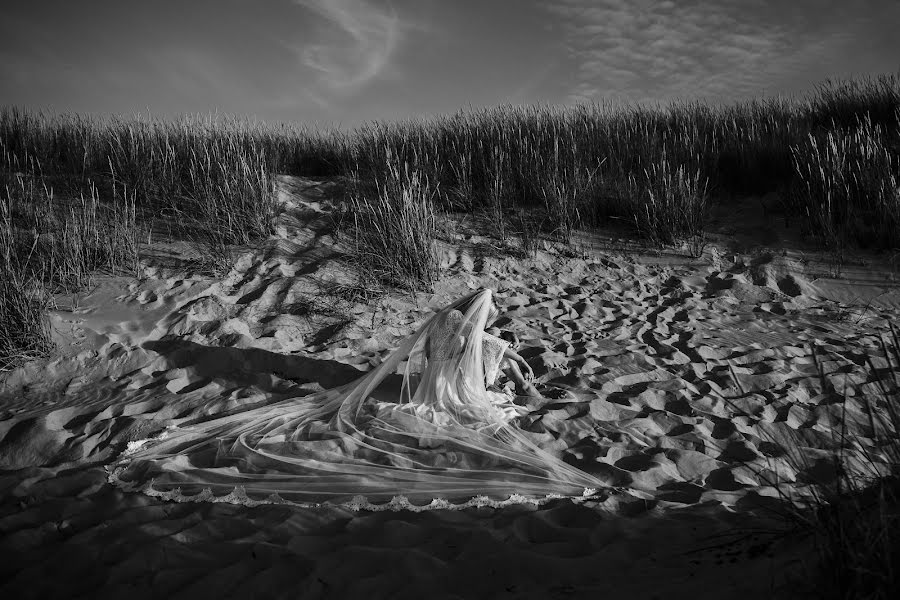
(441, 438)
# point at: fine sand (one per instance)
(689, 378)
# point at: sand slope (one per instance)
(688, 378)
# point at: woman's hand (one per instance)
(526, 369)
(527, 372)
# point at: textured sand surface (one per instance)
(688, 377)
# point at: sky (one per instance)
(342, 63)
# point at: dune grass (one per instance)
(393, 231)
(24, 331)
(829, 154)
(536, 172)
(655, 167)
(51, 245)
(213, 175)
(848, 497)
(80, 193)
(856, 518)
(847, 184)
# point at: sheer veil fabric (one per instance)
(421, 429)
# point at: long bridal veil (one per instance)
(421, 426)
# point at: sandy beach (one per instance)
(688, 376)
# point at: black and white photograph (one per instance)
(450, 299)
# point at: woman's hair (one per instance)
(493, 311)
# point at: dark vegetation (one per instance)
(855, 517)
(850, 504)
(79, 192)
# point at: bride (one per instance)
(426, 425)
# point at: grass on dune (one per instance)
(80, 192)
(536, 172)
(393, 230)
(832, 152)
(24, 331)
(847, 494)
(855, 519)
(847, 185)
(50, 246)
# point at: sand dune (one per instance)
(687, 378)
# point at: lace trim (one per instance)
(445, 334)
(492, 355)
(136, 445)
(357, 504)
(444, 338)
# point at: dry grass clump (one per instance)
(847, 184)
(856, 519)
(656, 167)
(847, 494)
(393, 230)
(231, 200)
(213, 174)
(851, 509)
(75, 187)
(673, 200)
(52, 245)
(24, 331)
(843, 103)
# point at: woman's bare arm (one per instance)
(514, 356)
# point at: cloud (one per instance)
(354, 46)
(646, 50)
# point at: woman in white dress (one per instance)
(441, 435)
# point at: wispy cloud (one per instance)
(645, 49)
(354, 45)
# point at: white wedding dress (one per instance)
(439, 439)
